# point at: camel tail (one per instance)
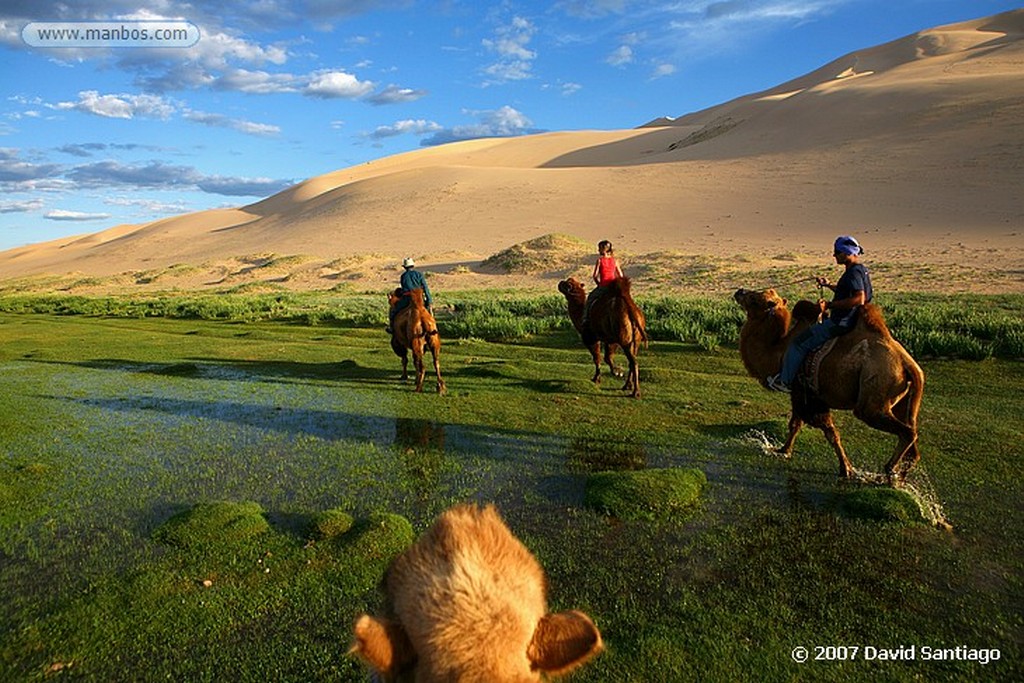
(915, 381)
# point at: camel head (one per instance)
(757, 304)
(394, 296)
(467, 603)
(573, 290)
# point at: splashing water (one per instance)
(767, 444)
(918, 485)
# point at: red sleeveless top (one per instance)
(606, 266)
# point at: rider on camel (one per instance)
(606, 271)
(852, 291)
(411, 279)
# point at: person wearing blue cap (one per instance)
(411, 279)
(852, 291)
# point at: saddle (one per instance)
(808, 375)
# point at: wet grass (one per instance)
(195, 499)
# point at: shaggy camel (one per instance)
(615, 320)
(466, 603)
(414, 329)
(867, 371)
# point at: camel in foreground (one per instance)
(466, 603)
(615, 320)
(867, 371)
(414, 329)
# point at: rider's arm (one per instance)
(858, 299)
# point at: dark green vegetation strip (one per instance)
(971, 327)
(136, 453)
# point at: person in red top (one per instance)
(606, 271)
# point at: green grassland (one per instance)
(209, 488)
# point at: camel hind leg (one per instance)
(633, 374)
(435, 352)
(906, 454)
(417, 360)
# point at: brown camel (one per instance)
(614, 320)
(466, 603)
(576, 296)
(867, 371)
(414, 329)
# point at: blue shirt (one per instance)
(413, 279)
(855, 279)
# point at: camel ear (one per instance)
(563, 641)
(383, 645)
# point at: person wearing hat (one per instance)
(411, 279)
(852, 291)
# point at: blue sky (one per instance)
(276, 91)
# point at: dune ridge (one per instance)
(916, 145)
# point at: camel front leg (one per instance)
(595, 355)
(609, 353)
(795, 423)
(405, 365)
(828, 427)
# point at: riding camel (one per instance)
(866, 371)
(466, 602)
(615, 320)
(414, 329)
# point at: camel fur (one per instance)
(414, 329)
(466, 603)
(615, 320)
(867, 372)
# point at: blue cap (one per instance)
(847, 245)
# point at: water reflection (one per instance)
(598, 455)
(418, 434)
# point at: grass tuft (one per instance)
(645, 494)
(881, 504)
(213, 524)
(332, 523)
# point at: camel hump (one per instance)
(621, 286)
(871, 317)
(416, 296)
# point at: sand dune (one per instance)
(916, 145)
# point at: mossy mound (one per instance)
(549, 252)
(881, 504)
(212, 524)
(645, 494)
(331, 523)
(381, 536)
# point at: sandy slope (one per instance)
(916, 146)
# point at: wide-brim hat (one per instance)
(407, 262)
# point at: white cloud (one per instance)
(62, 215)
(221, 121)
(337, 84)
(119, 106)
(395, 95)
(620, 56)
(406, 127)
(515, 59)
(21, 207)
(503, 122)
(662, 70)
